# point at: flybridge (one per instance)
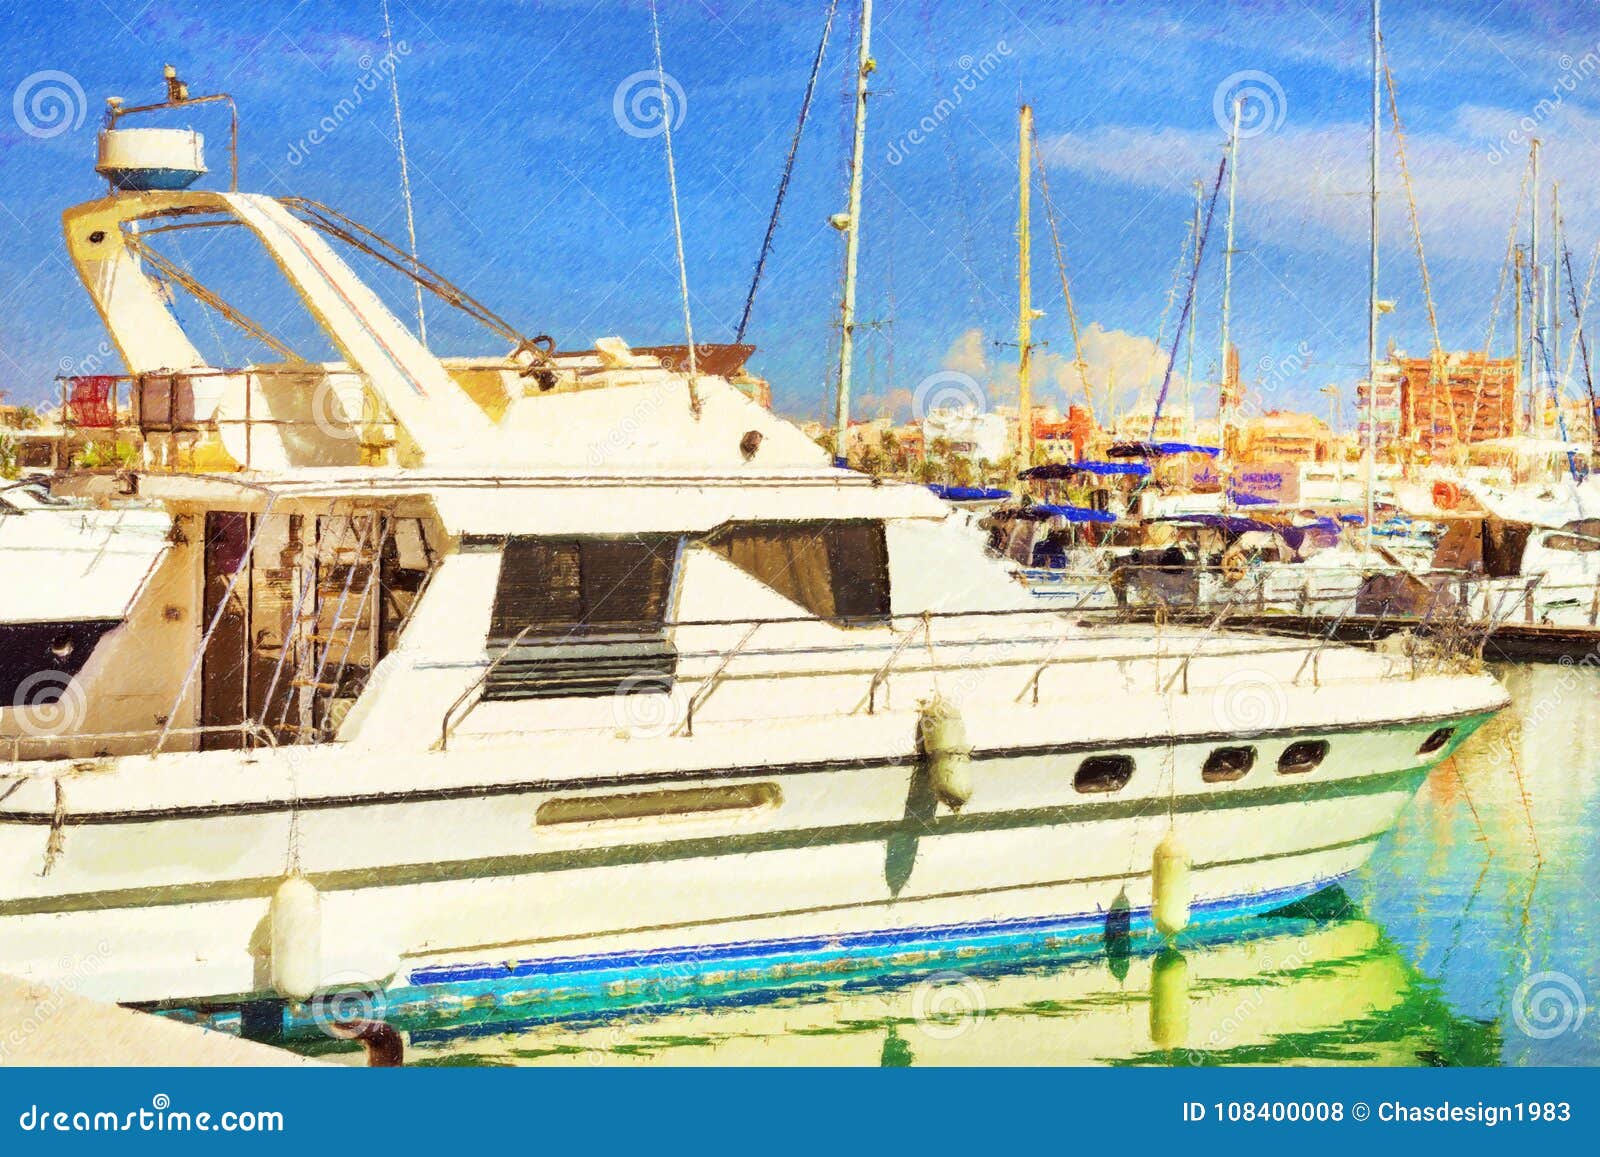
(389, 400)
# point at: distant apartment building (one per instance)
(1457, 398)
(1284, 436)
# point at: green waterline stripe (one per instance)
(906, 830)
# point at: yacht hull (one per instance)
(837, 867)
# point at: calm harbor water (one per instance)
(1469, 939)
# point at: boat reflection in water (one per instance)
(1314, 988)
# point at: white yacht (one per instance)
(546, 673)
(68, 574)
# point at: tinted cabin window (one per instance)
(1228, 763)
(594, 611)
(1103, 773)
(583, 586)
(836, 570)
(1572, 543)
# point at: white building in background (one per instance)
(981, 435)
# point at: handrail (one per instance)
(925, 626)
(1038, 674)
(446, 725)
(705, 689)
(1205, 637)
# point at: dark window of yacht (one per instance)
(1228, 763)
(836, 570)
(582, 617)
(583, 586)
(1104, 773)
(1572, 543)
(1436, 740)
(1302, 756)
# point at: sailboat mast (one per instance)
(1372, 280)
(1024, 290)
(1225, 402)
(1535, 290)
(1555, 280)
(1188, 367)
(852, 243)
(1521, 423)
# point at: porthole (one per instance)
(1103, 773)
(1436, 741)
(1302, 756)
(62, 646)
(1228, 763)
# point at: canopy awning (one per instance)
(1159, 449)
(1053, 471)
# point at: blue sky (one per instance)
(529, 191)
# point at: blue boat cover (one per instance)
(1040, 511)
(969, 493)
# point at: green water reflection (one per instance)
(1467, 940)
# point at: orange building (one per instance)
(1456, 398)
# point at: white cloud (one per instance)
(1303, 188)
(1123, 370)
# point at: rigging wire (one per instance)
(952, 161)
(788, 171)
(1188, 301)
(1416, 237)
(405, 171)
(1078, 361)
(206, 297)
(1499, 293)
(1579, 341)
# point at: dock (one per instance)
(42, 1025)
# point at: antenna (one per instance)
(405, 172)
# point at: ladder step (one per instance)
(313, 683)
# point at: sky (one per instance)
(539, 176)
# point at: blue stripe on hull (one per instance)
(486, 997)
